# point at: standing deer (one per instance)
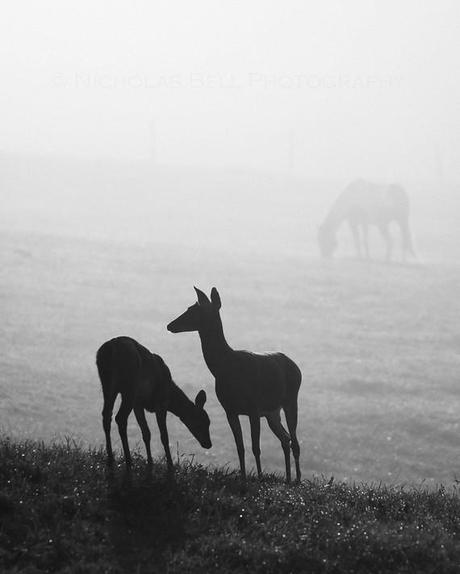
(144, 382)
(362, 204)
(247, 383)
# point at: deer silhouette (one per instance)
(361, 204)
(144, 381)
(256, 385)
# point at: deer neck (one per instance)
(216, 350)
(179, 403)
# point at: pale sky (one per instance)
(333, 88)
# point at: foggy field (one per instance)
(85, 257)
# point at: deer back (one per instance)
(253, 381)
(131, 369)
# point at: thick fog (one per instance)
(147, 147)
(361, 88)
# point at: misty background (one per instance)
(146, 148)
(335, 89)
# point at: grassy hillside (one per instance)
(61, 510)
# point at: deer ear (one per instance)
(215, 298)
(202, 297)
(200, 399)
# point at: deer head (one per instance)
(198, 421)
(200, 315)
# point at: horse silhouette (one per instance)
(362, 204)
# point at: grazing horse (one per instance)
(144, 382)
(362, 204)
(247, 383)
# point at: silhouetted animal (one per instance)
(246, 383)
(144, 382)
(362, 204)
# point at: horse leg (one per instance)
(365, 228)
(356, 238)
(407, 246)
(384, 230)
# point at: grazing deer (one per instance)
(144, 382)
(246, 383)
(362, 204)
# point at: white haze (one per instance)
(332, 89)
(149, 146)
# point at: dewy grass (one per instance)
(63, 510)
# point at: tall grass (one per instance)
(63, 510)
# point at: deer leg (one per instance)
(122, 421)
(146, 434)
(274, 422)
(107, 411)
(291, 420)
(161, 420)
(254, 420)
(235, 425)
